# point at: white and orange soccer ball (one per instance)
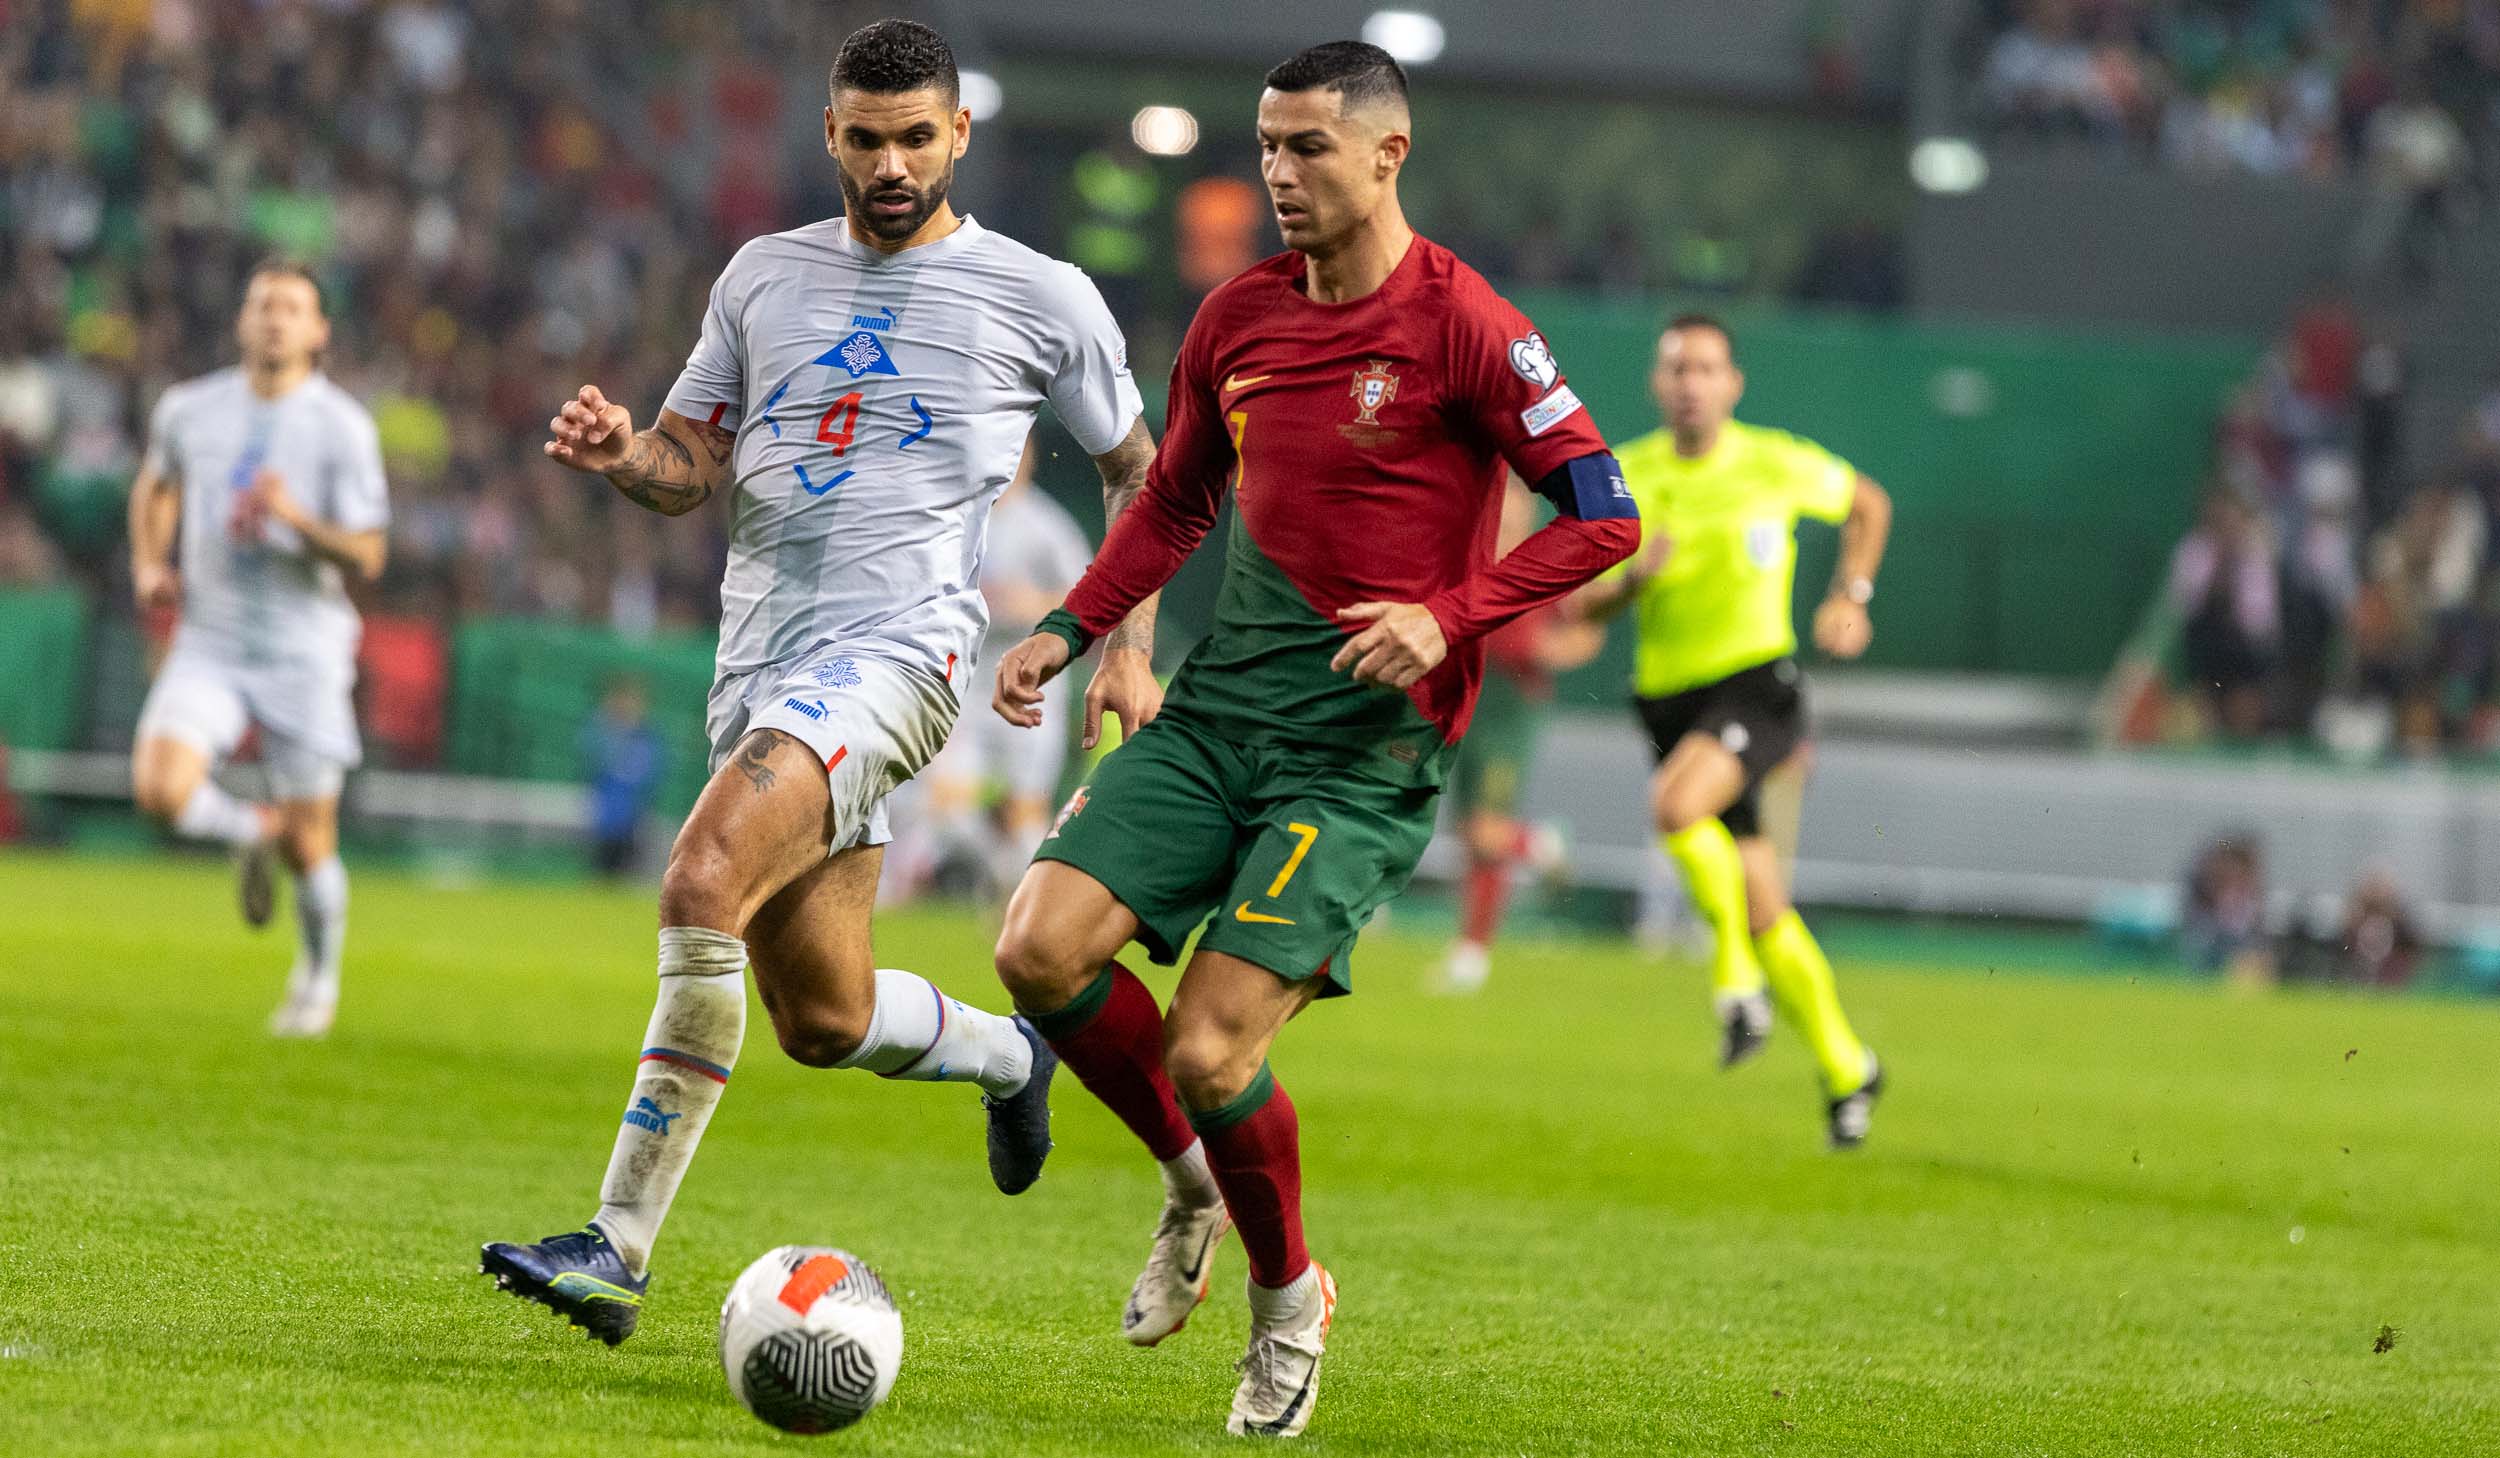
(810, 1338)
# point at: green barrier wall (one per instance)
(43, 667)
(521, 691)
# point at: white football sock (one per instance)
(921, 1034)
(321, 921)
(1276, 1305)
(687, 1053)
(1187, 1180)
(212, 814)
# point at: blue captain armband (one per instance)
(1590, 487)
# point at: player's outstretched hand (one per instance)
(1030, 664)
(1402, 644)
(1842, 628)
(1124, 685)
(592, 432)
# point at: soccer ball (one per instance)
(810, 1339)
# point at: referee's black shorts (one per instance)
(1759, 714)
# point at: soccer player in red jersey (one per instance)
(1360, 397)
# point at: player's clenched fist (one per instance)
(1842, 628)
(1402, 644)
(1029, 665)
(592, 432)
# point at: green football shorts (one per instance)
(1281, 855)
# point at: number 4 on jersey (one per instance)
(848, 409)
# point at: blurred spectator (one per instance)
(2415, 163)
(2320, 581)
(2223, 928)
(2416, 642)
(2224, 585)
(2381, 940)
(2379, 425)
(624, 760)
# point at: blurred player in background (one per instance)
(1036, 553)
(623, 759)
(1520, 662)
(863, 387)
(1718, 688)
(269, 480)
(1359, 396)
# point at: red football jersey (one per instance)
(1365, 445)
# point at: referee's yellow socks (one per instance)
(1715, 876)
(1801, 978)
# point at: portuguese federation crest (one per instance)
(1374, 386)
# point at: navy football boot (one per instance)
(1020, 1122)
(578, 1275)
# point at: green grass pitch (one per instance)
(2098, 1216)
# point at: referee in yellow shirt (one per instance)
(1718, 687)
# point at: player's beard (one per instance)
(894, 229)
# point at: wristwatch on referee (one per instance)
(1859, 590)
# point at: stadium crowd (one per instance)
(2401, 90)
(2331, 586)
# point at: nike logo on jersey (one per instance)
(1244, 382)
(1244, 913)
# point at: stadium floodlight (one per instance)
(1410, 35)
(1948, 165)
(1164, 131)
(982, 95)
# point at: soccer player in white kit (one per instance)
(864, 387)
(1036, 553)
(270, 477)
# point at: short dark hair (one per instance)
(894, 56)
(1683, 322)
(280, 265)
(1358, 71)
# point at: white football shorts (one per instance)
(306, 714)
(871, 720)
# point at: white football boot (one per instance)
(1466, 970)
(1177, 1273)
(308, 1011)
(1280, 1372)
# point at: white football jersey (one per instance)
(881, 403)
(1035, 548)
(264, 599)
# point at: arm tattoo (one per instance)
(1123, 478)
(754, 760)
(660, 471)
